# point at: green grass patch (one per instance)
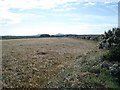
(104, 78)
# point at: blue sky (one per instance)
(31, 17)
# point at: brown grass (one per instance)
(33, 62)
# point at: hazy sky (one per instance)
(31, 17)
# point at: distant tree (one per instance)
(44, 35)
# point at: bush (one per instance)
(114, 54)
(110, 39)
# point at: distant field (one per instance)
(34, 62)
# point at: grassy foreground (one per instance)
(53, 62)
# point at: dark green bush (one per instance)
(112, 55)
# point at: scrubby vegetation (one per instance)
(86, 37)
(111, 41)
(112, 55)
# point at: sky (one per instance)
(32, 17)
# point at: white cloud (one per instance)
(9, 17)
(63, 9)
(44, 4)
(90, 3)
(28, 4)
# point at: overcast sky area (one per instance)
(31, 17)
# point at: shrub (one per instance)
(110, 39)
(114, 54)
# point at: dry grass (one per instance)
(33, 62)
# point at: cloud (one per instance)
(45, 4)
(90, 3)
(8, 17)
(64, 9)
(28, 4)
